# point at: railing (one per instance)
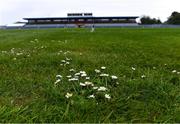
(106, 25)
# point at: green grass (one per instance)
(28, 93)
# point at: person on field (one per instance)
(92, 28)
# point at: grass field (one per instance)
(59, 75)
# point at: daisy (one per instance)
(67, 59)
(77, 74)
(71, 70)
(91, 96)
(82, 84)
(102, 89)
(18, 54)
(143, 76)
(97, 71)
(82, 72)
(114, 77)
(103, 67)
(174, 71)
(104, 75)
(63, 61)
(107, 96)
(67, 63)
(87, 78)
(87, 83)
(95, 88)
(83, 75)
(69, 76)
(57, 81)
(58, 76)
(133, 68)
(73, 79)
(68, 95)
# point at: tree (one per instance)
(174, 18)
(149, 20)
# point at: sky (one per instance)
(14, 10)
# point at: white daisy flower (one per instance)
(67, 59)
(82, 84)
(95, 88)
(57, 81)
(18, 54)
(67, 63)
(114, 77)
(107, 96)
(63, 61)
(102, 89)
(87, 78)
(73, 79)
(69, 76)
(68, 95)
(87, 83)
(83, 75)
(178, 72)
(133, 68)
(82, 72)
(143, 76)
(97, 71)
(103, 67)
(58, 76)
(71, 70)
(91, 96)
(104, 75)
(77, 74)
(3, 51)
(174, 71)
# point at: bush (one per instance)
(148, 20)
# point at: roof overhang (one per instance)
(93, 17)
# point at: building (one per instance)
(81, 20)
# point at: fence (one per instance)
(90, 25)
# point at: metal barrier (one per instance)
(90, 25)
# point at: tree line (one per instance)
(173, 19)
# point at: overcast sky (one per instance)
(14, 10)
